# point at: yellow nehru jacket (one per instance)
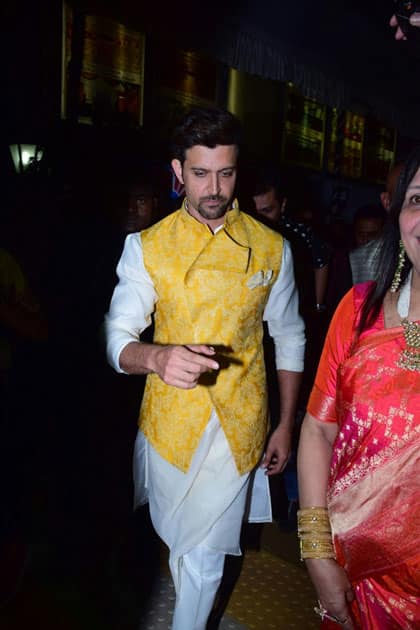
(212, 289)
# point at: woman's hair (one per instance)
(205, 126)
(390, 247)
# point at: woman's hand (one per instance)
(333, 588)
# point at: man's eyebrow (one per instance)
(224, 168)
(227, 168)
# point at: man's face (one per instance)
(141, 207)
(366, 230)
(209, 177)
(268, 206)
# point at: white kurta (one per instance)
(205, 505)
(186, 508)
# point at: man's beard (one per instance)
(217, 211)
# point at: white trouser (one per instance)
(198, 514)
(199, 573)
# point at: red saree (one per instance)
(374, 488)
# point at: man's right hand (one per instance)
(414, 21)
(182, 366)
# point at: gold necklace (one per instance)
(410, 356)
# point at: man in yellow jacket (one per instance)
(210, 274)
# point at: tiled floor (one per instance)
(159, 614)
(273, 591)
(271, 594)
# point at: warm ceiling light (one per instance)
(26, 157)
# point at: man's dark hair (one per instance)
(205, 126)
(267, 179)
(371, 211)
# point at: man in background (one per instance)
(309, 250)
(351, 266)
(369, 222)
(23, 336)
(310, 259)
(142, 207)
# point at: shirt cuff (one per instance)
(116, 342)
(290, 352)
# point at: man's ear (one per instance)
(177, 168)
(385, 199)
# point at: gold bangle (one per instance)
(314, 532)
(314, 519)
(320, 531)
(315, 536)
(317, 512)
(314, 527)
(315, 548)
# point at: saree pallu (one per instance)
(374, 491)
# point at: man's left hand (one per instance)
(277, 452)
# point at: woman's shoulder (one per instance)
(345, 319)
(362, 290)
(352, 301)
(360, 293)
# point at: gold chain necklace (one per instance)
(410, 356)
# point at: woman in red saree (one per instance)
(359, 451)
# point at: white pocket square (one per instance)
(260, 279)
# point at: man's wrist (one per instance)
(286, 426)
(148, 356)
(137, 358)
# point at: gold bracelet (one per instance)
(313, 519)
(315, 535)
(314, 531)
(316, 548)
(314, 527)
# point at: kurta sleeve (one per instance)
(132, 302)
(281, 313)
(322, 401)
